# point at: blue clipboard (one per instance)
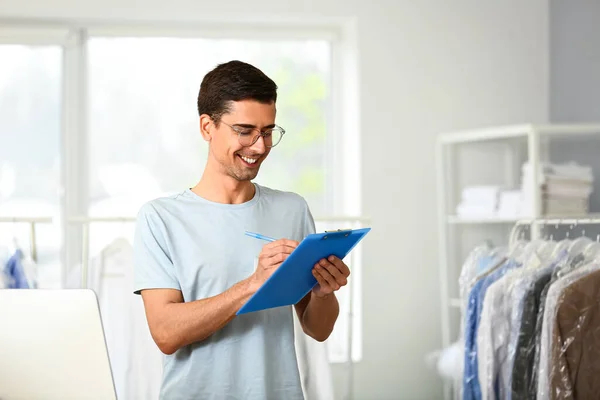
(294, 279)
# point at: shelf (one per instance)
(486, 134)
(516, 131)
(453, 219)
(495, 155)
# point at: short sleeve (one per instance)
(309, 222)
(153, 267)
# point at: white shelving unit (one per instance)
(491, 156)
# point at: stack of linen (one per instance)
(510, 204)
(478, 202)
(565, 188)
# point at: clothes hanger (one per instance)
(488, 271)
(547, 248)
(576, 254)
(590, 252)
(575, 246)
(562, 244)
(517, 247)
(530, 252)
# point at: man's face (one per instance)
(242, 162)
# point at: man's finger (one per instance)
(282, 242)
(277, 250)
(334, 271)
(275, 259)
(327, 276)
(322, 282)
(340, 265)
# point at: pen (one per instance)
(259, 236)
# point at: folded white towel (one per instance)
(477, 194)
(509, 205)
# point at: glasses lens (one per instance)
(247, 137)
(271, 137)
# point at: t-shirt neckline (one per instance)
(245, 204)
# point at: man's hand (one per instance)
(331, 274)
(271, 257)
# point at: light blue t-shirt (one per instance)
(188, 243)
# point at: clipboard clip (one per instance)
(338, 231)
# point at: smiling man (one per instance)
(195, 267)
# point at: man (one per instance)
(195, 267)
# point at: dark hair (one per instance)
(233, 81)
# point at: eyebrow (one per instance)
(250, 126)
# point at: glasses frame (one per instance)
(255, 139)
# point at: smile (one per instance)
(249, 160)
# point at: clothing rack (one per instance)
(32, 234)
(535, 223)
(85, 223)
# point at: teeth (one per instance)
(249, 160)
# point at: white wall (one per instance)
(433, 67)
(575, 81)
(575, 61)
(425, 67)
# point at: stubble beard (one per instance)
(241, 174)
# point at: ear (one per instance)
(205, 125)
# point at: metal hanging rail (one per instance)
(537, 222)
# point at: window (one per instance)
(30, 123)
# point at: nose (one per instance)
(259, 146)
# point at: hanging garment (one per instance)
(314, 366)
(15, 272)
(30, 271)
(560, 271)
(471, 385)
(518, 367)
(492, 336)
(136, 361)
(553, 299)
(523, 339)
(575, 346)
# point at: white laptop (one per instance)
(52, 346)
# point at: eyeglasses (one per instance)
(247, 136)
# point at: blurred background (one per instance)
(419, 119)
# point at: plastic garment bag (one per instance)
(500, 305)
(478, 264)
(479, 261)
(471, 384)
(570, 339)
(519, 367)
(136, 361)
(313, 365)
(575, 341)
